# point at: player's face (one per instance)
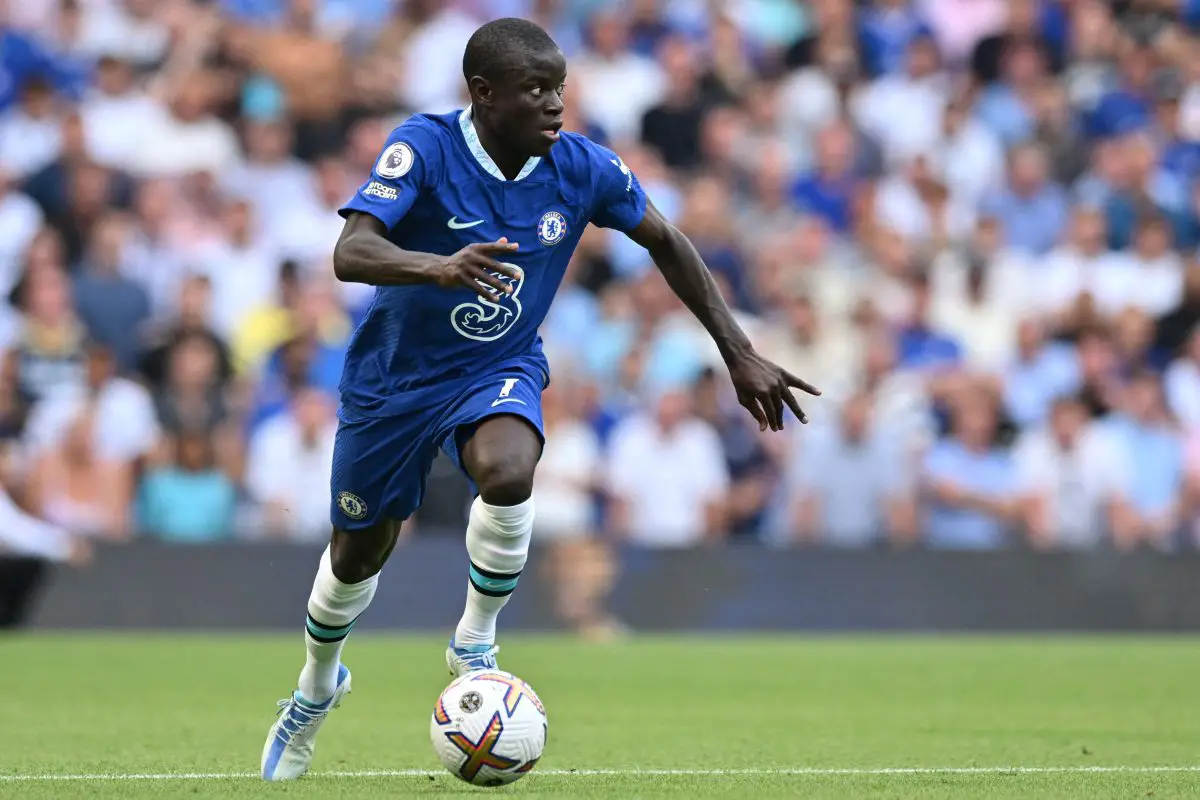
(527, 103)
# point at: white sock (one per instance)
(498, 543)
(333, 607)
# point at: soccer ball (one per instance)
(488, 728)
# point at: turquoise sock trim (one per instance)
(485, 583)
(318, 631)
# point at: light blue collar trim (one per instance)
(467, 125)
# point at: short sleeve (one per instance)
(618, 200)
(409, 159)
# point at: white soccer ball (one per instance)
(488, 728)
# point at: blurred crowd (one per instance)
(972, 223)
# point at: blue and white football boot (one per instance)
(292, 739)
(470, 658)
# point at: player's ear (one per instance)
(481, 90)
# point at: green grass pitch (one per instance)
(651, 717)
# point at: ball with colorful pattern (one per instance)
(488, 728)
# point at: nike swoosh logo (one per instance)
(508, 400)
(454, 224)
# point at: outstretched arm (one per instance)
(762, 388)
(364, 254)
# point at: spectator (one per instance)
(898, 224)
(1081, 265)
(271, 177)
(49, 342)
(1139, 188)
(115, 107)
(672, 126)
(308, 231)
(1157, 285)
(1133, 335)
(1101, 382)
(903, 108)
(850, 483)
(767, 210)
(921, 346)
(90, 193)
(983, 324)
(128, 29)
(1181, 384)
(188, 499)
(186, 137)
(968, 154)
(1073, 480)
(194, 319)
(242, 268)
(299, 308)
(828, 191)
(191, 398)
(970, 483)
(431, 66)
(160, 247)
(1032, 211)
(74, 487)
(607, 63)
(1174, 329)
(805, 341)
(1128, 106)
(667, 477)
(30, 134)
(113, 308)
(708, 221)
(887, 31)
(288, 468)
(915, 203)
(1041, 372)
(1153, 450)
(1007, 105)
(125, 429)
(1058, 131)
(810, 96)
(750, 461)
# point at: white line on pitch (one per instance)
(632, 772)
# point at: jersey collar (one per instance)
(467, 124)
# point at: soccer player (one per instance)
(466, 225)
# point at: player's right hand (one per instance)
(474, 265)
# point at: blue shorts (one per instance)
(381, 464)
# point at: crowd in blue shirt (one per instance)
(173, 170)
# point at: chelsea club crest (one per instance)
(552, 228)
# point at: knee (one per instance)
(505, 482)
(356, 556)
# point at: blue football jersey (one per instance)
(437, 190)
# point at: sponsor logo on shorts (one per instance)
(351, 505)
(381, 190)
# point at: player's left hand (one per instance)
(764, 388)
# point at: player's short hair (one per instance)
(502, 44)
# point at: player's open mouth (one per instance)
(551, 132)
